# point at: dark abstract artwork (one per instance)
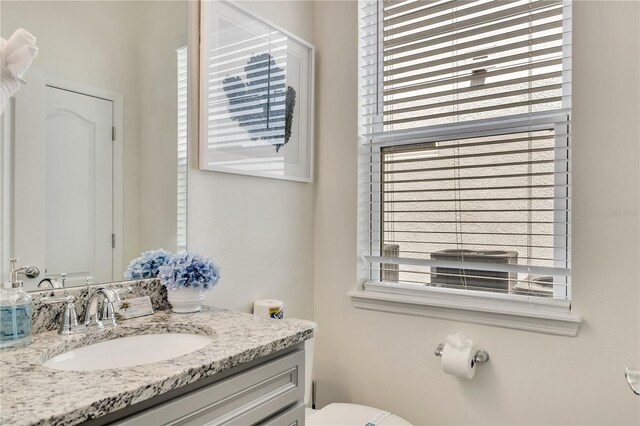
(262, 103)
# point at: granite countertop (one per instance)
(33, 394)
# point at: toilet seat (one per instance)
(350, 415)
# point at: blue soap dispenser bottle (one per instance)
(15, 312)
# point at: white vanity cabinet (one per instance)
(266, 391)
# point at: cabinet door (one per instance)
(246, 398)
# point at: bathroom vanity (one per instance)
(251, 372)
(268, 391)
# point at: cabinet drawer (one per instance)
(243, 399)
(293, 416)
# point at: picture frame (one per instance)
(256, 96)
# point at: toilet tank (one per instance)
(309, 346)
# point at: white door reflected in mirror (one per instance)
(78, 155)
(58, 229)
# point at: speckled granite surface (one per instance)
(47, 317)
(31, 394)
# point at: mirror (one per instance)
(94, 145)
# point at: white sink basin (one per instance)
(129, 351)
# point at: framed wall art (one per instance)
(256, 96)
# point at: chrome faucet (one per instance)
(69, 319)
(50, 281)
(92, 319)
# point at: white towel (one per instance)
(16, 56)
(18, 39)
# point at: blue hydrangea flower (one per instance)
(147, 265)
(189, 270)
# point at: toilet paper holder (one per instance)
(480, 357)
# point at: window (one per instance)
(181, 244)
(465, 149)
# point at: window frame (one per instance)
(547, 315)
(182, 60)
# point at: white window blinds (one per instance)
(182, 150)
(465, 153)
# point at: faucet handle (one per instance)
(69, 320)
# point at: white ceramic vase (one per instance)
(185, 300)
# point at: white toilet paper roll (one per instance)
(459, 361)
(269, 308)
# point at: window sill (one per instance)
(519, 312)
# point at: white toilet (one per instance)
(338, 413)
